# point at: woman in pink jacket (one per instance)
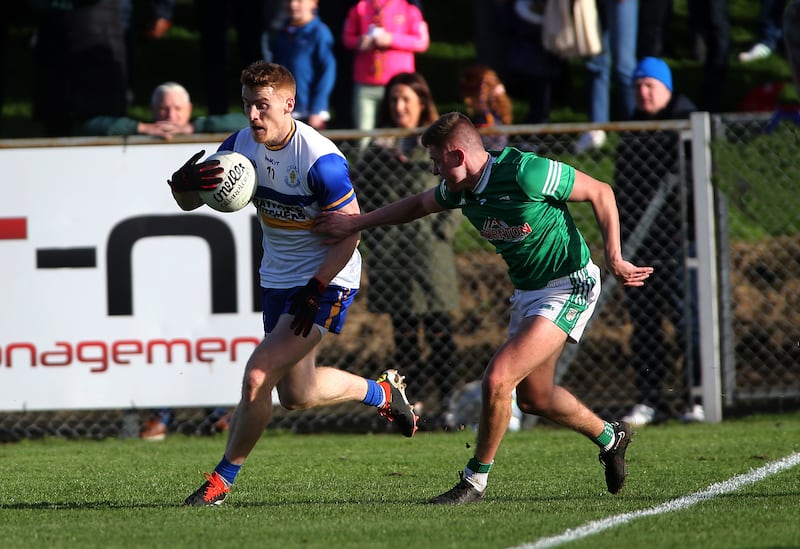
(385, 35)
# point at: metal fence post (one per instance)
(708, 305)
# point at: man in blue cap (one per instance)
(652, 91)
(646, 178)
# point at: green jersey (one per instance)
(519, 205)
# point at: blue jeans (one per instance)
(620, 22)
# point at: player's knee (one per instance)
(292, 401)
(529, 407)
(536, 404)
(255, 386)
(495, 386)
(295, 405)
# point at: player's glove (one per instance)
(192, 176)
(305, 306)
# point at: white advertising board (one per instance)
(110, 295)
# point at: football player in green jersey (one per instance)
(518, 202)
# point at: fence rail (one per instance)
(755, 340)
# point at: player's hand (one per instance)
(192, 176)
(383, 40)
(628, 273)
(305, 306)
(336, 225)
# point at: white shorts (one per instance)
(567, 301)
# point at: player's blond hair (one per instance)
(261, 74)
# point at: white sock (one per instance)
(478, 480)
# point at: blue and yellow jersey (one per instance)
(297, 180)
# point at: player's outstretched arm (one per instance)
(604, 205)
(340, 250)
(339, 226)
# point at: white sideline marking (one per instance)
(718, 489)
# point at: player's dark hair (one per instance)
(261, 74)
(452, 127)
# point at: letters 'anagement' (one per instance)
(100, 355)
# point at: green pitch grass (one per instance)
(369, 491)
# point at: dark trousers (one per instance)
(770, 21)
(440, 367)
(667, 296)
(82, 53)
(709, 21)
(214, 19)
(653, 34)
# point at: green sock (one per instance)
(477, 467)
(477, 473)
(605, 438)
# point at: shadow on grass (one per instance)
(90, 505)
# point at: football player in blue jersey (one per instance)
(307, 283)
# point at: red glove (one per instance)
(192, 176)
(305, 306)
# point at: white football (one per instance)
(238, 185)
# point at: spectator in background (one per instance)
(532, 69)
(9, 17)
(334, 13)
(788, 106)
(214, 18)
(305, 46)
(158, 425)
(770, 23)
(619, 21)
(385, 35)
(710, 24)
(653, 36)
(158, 23)
(276, 17)
(791, 37)
(647, 187)
(82, 49)
(487, 103)
(172, 115)
(412, 273)
(492, 40)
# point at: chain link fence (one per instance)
(642, 345)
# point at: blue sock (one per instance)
(227, 470)
(376, 396)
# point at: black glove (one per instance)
(192, 176)
(305, 306)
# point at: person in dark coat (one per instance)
(412, 268)
(647, 186)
